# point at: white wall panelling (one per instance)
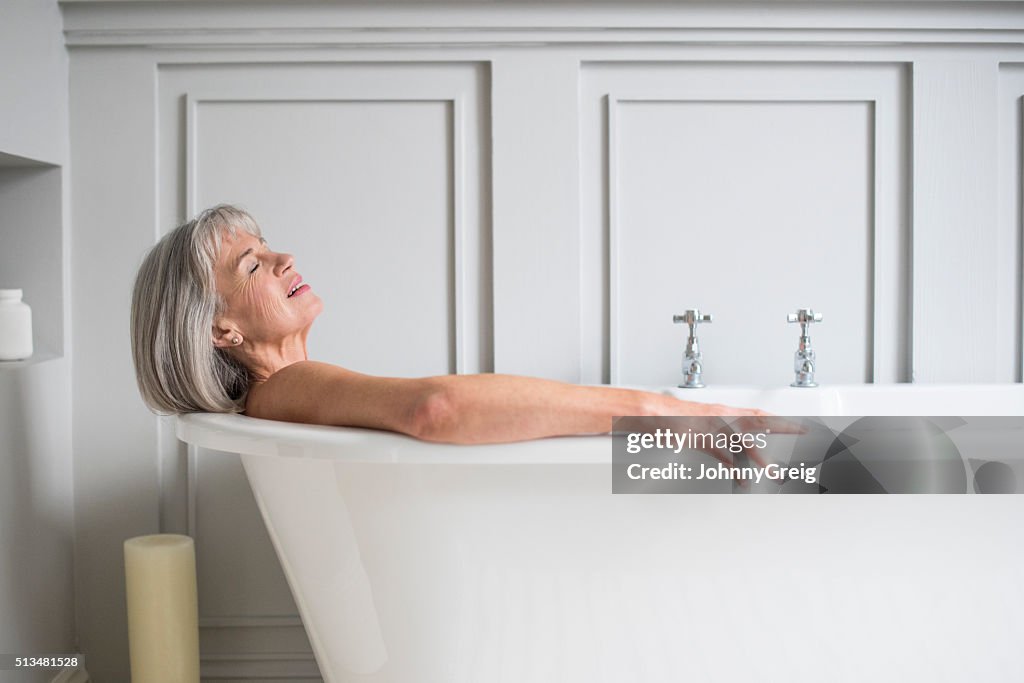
(747, 190)
(1010, 245)
(530, 189)
(536, 215)
(457, 23)
(116, 474)
(389, 224)
(379, 147)
(957, 263)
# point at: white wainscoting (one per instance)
(1009, 269)
(531, 189)
(373, 176)
(747, 190)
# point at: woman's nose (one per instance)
(284, 263)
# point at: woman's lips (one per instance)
(297, 287)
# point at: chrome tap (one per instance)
(692, 366)
(803, 359)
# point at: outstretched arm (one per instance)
(464, 409)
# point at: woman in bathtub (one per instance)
(219, 324)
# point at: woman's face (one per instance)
(266, 299)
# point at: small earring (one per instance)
(236, 340)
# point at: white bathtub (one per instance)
(421, 563)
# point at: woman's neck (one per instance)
(263, 359)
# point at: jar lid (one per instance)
(10, 295)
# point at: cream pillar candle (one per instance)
(163, 613)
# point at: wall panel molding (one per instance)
(881, 87)
(387, 24)
(1011, 213)
(246, 648)
(465, 352)
(459, 86)
(957, 266)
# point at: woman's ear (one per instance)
(225, 335)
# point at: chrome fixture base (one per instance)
(693, 365)
(804, 359)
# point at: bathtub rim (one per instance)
(255, 436)
(236, 433)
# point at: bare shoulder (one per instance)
(292, 387)
(306, 371)
(314, 392)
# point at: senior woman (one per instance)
(219, 323)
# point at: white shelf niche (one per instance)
(31, 248)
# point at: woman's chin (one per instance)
(316, 307)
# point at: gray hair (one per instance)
(174, 303)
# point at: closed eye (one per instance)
(247, 252)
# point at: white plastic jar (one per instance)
(15, 326)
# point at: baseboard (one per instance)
(69, 674)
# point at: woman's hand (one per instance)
(707, 418)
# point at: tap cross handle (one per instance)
(804, 316)
(691, 317)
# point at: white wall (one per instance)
(36, 526)
(33, 81)
(36, 491)
(470, 195)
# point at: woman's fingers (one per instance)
(754, 454)
(720, 454)
(752, 420)
(760, 421)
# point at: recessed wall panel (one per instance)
(745, 190)
(747, 210)
(360, 193)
